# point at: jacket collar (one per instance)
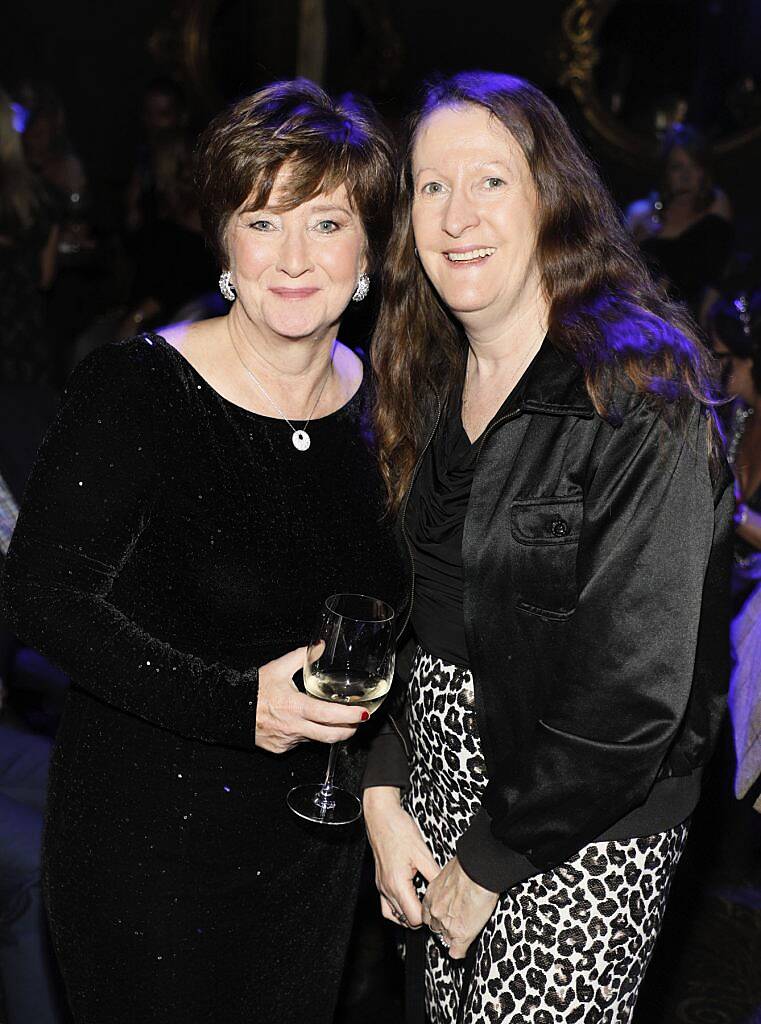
(555, 385)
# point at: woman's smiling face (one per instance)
(474, 214)
(295, 270)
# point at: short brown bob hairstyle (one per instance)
(326, 143)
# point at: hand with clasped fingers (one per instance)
(286, 717)
(456, 908)
(400, 853)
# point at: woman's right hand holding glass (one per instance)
(400, 854)
(286, 717)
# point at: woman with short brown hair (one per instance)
(546, 433)
(198, 497)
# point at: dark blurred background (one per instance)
(108, 99)
(636, 59)
(621, 70)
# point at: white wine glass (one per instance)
(350, 661)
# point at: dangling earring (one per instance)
(225, 286)
(363, 287)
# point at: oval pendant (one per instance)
(301, 440)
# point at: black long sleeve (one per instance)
(89, 500)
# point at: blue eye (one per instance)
(261, 225)
(494, 182)
(328, 227)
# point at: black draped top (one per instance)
(435, 521)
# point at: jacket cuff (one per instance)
(487, 861)
(386, 763)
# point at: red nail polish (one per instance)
(364, 717)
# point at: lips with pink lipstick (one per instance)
(294, 293)
(469, 255)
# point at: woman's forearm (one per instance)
(116, 659)
(381, 798)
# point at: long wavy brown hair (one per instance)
(604, 308)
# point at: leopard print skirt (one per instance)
(570, 945)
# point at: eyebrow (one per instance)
(329, 208)
(479, 165)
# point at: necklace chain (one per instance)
(297, 432)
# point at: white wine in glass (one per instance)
(359, 688)
(349, 661)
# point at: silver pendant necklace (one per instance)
(299, 438)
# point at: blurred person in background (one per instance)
(51, 156)
(161, 268)
(28, 260)
(88, 263)
(29, 983)
(47, 146)
(168, 265)
(735, 322)
(28, 254)
(164, 113)
(173, 264)
(28, 263)
(684, 229)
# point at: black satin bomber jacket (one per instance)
(596, 565)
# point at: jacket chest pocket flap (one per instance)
(545, 534)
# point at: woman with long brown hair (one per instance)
(547, 438)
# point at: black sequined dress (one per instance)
(169, 543)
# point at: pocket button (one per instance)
(559, 527)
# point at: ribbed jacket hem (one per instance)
(497, 867)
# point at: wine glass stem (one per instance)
(328, 783)
(325, 793)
